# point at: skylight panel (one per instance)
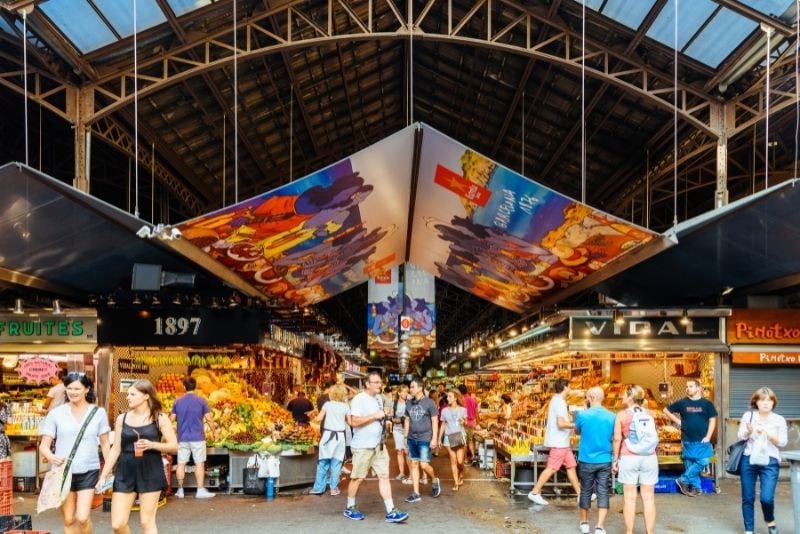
(120, 15)
(79, 23)
(691, 17)
(724, 33)
(631, 14)
(181, 7)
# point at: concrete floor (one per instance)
(483, 505)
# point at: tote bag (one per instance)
(55, 488)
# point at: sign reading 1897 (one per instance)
(177, 326)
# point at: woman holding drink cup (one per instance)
(142, 434)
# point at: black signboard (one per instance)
(645, 327)
(175, 326)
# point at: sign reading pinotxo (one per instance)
(178, 326)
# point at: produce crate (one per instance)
(666, 485)
(6, 505)
(502, 469)
(6, 474)
(15, 522)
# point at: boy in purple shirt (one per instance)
(191, 412)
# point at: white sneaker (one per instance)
(584, 528)
(203, 493)
(538, 499)
(179, 493)
(408, 481)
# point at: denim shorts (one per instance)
(419, 450)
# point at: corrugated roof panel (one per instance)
(631, 14)
(691, 17)
(120, 15)
(5, 27)
(724, 33)
(79, 23)
(181, 7)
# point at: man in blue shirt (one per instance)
(596, 427)
(191, 412)
(697, 421)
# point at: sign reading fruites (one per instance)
(47, 328)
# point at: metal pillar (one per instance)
(80, 106)
(722, 122)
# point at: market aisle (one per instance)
(482, 505)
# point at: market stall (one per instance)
(657, 352)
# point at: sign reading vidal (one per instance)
(501, 236)
(650, 327)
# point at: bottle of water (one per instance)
(270, 488)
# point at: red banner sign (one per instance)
(461, 186)
(764, 327)
(766, 358)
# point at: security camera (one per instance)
(144, 232)
(175, 233)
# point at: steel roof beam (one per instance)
(757, 16)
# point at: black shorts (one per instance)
(140, 475)
(85, 481)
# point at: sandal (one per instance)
(335, 492)
(455, 488)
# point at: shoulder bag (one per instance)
(735, 453)
(58, 481)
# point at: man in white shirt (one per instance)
(57, 394)
(557, 439)
(369, 452)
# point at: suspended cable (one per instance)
(411, 65)
(674, 124)
(235, 109)
(25, 76)
(135, 114)
(583, 101)
(522, 140)
(796, 82)
(152, 183)
(291, 133)
(768, 30)
(224, 150)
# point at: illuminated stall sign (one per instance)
(185, 326)
(47, 329)
(644, 327)
(766, 358)
(764, 327)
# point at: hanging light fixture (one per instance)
(685, 318)
(57, 307)
(176, 300)
(196, 300)
(156, 301)
(617, 317)
(111, 301)
(18, 307)
(136, 300)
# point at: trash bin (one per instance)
(793, 457)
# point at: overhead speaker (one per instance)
(170, 279)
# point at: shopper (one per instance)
(192, 413)
(556, 437)
(421, 429)
(142, 435)
(765, 432)
(369, 452)
(398, 416)
(5, 443)
(632, 468)
(63, 424)
(505, 409)
(57, 394)
(300, 406)
(453, 436)
(471, 404)
(596, 427)
(697, 418)
(332, 440)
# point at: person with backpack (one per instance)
(696, 416)
(634, 457)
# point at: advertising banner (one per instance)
(419, 309)
(383, 311)
(501, 236)
(321, 235)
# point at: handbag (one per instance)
(456, 440)
(735, 453)
(58, 481)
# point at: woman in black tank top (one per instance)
(145, 427)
